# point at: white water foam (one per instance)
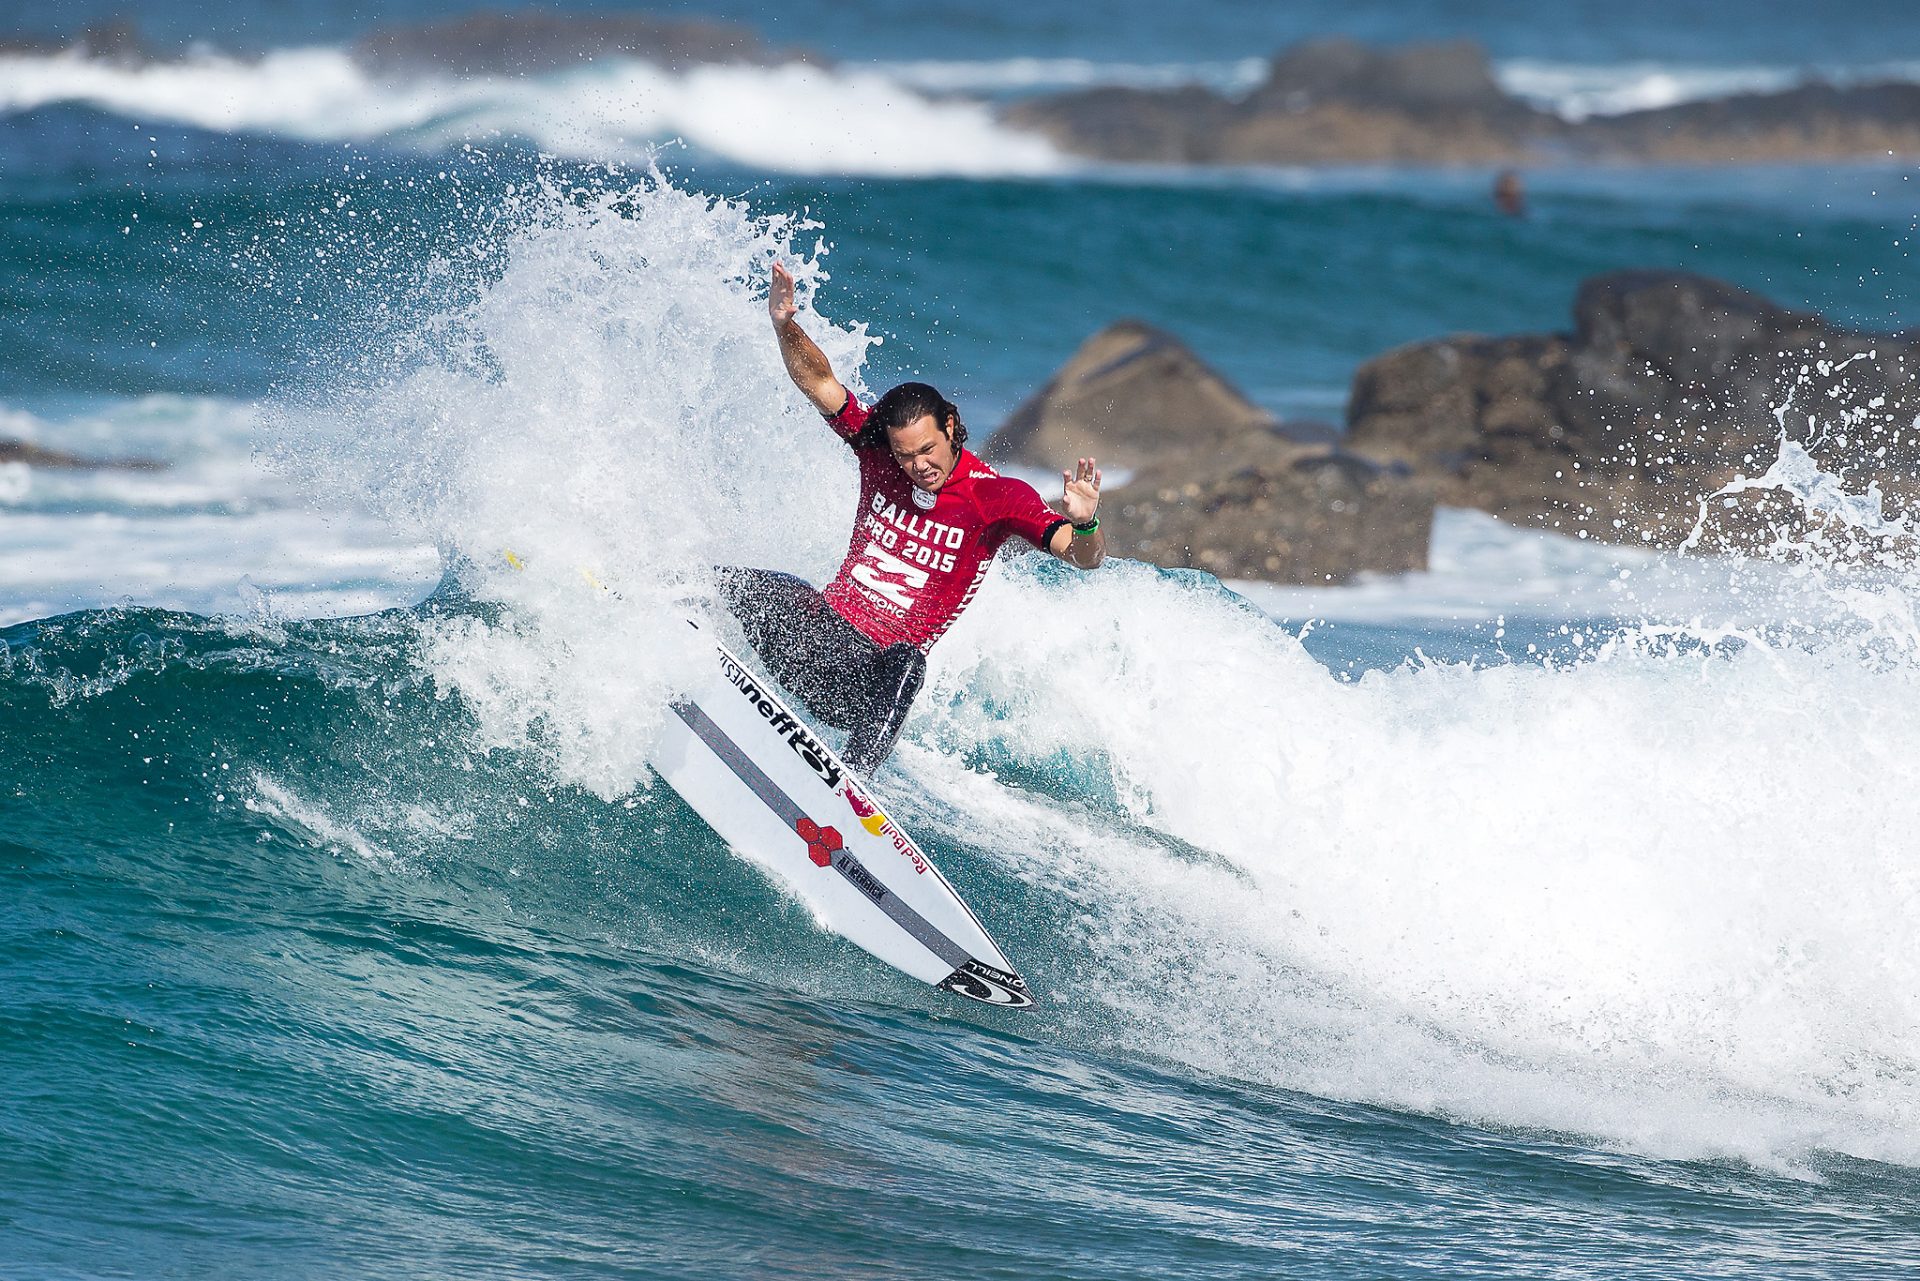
(793, 118)
(312, 821)
(210, 531)
(1664, 895)
(1481, 570)
(612, 410)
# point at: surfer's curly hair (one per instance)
(910, 402)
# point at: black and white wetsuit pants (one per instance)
(838, 674)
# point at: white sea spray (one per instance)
(600, 424)
(1662, 893)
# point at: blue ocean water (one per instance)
(1548, 914)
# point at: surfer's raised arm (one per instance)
(806, 364)
(1079, 542)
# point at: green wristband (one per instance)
(1087, 528)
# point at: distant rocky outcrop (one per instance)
(1665, 390)
(1216, 482)
(530, 41)
(486, 42)
(22, 451)
(1810, 122)
(1276, 510)
(118, 42)
(1337, 101)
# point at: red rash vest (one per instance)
(916, 558)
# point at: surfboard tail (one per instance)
(988, 985)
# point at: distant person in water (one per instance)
(930, 518)
(1510, 194)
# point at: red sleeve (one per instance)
(851, 418)
(1014, 507)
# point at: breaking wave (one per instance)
(1579, 90)
(794, 118)
(1656, 891)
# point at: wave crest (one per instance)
(793, 117)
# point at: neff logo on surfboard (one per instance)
(781, 722)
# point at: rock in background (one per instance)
(1328, 101)
(1129, 395)
(1669, 387)
(1285, 513)
(1217, 482)
(531, 41)
(1666, 390)
(32, 455)
(1337, 101)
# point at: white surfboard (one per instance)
(781, 798)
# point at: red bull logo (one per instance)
(880, 825)
(866, 811)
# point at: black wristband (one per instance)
(1087, 528)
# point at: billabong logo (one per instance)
(880, 576)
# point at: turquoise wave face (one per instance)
(298, 977)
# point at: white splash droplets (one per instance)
(611, 409)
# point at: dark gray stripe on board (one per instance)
(844, 862)
(741, 764)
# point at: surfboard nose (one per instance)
(990, 986)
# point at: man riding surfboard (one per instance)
(930, 518)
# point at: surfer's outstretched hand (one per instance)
(1082, 496)
(780, 304)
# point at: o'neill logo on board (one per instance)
(782, 722)
(880, 825)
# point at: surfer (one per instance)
(931, 517)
